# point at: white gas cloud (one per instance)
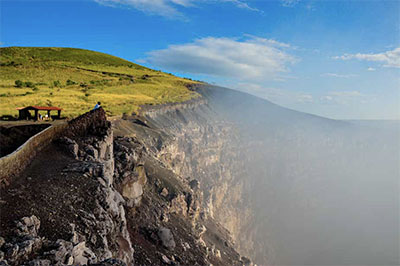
(276, 95)
(252, 58)
(388, 58)
(169, 8)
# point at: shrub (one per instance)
(35, 88)
(29, 84)
(19, 84)
(56, 83)
(70, 82)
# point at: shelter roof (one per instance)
(35, 107)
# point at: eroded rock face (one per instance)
(109, 216)
(204, 150)
(168, 220)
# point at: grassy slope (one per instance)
(120, 85)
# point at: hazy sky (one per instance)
(339, 59)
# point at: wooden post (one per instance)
(36, 115)
(59, 114)
(48, 114)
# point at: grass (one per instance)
(75, 79)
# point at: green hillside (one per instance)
(75, 79)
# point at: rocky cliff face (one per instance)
(200, 146)
(192, 183)
(267, 173)
(75, 216)
(93, 198)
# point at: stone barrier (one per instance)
(12, 164)
(91, 123)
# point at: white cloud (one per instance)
(289, 3)
(310, 7)
(346, 97)
(338, 75)
(371, 69)
(252, 58)
(242, 4)
(305, 98)
(346, 93)
(327, 97)
(388, 58)
(165, 8)
(168, 8)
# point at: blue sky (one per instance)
(339, 59)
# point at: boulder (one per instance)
(164, 192)
(133, 190)
(179, 205)
(165, 259)
(2, 241)
(194, 184)
(82, 255)
(166, 237)
(90, 150)
(28, 226)
(70, 146)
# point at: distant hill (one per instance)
(75, 79)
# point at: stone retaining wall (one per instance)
(93, 123)
(12, 164)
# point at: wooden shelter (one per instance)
(25, 114)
